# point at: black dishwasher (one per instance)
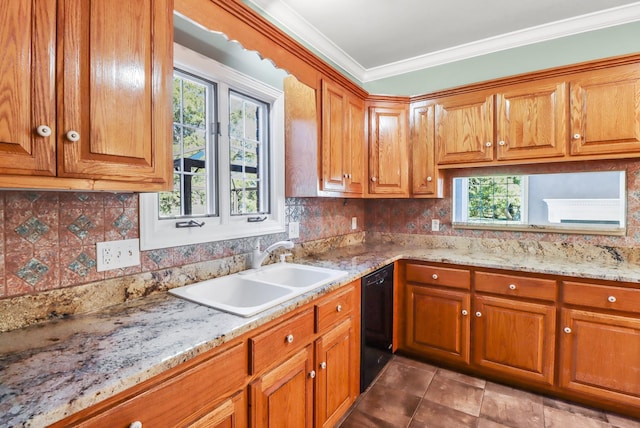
(377, 324)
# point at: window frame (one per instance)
(464, 205)
(162, 233)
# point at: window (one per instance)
(494, 199)
(228, 159)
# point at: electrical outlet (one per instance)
(117, 254)
(354, 223)
(435, 225)
(294, 230)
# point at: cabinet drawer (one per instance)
(181, 396)
(514, 285)
(273, 344)
(334, 309)
(449, 277)
(602, 296)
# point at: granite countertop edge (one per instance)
(50, 371)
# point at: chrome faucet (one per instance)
(258, 257)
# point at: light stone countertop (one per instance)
(52, 370)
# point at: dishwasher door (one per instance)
(377, 324)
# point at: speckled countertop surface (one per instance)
(53, 370)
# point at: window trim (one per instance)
(162, 233)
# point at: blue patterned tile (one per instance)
(32, 229)
(123, 224)
(81, 226)
(33, 271)
(83, 264)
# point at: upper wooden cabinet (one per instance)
(342, 140)
(388, 161)
(90, 105)
(425, 177)
(605, 112)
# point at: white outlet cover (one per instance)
(294, 230)
(435, 225)
(117, 254)
(354, 223)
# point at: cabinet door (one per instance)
(605, 112)
(27, 87)
(464, 128)
(354, 149)
(424, 175)
(231, 413)
(334, 129)
(532, 121)
(388, 172)
(600, 355)
(437, 322)
(515, 338)
(116, 67)
(338, 373)
(283, 397)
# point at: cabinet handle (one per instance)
(577, 136)
(567, 330)
(501, 143)
(478, 314)
(512, 287)
(73, 136)
(488, 144)
(612, 299)
(43, 131)
(312, 374)
(434, 276)
(464, 312)
(323, 365)
(374, 179)
(429, 179)
(349, 176)
(135, 424)
(290, 338)
(339, 308)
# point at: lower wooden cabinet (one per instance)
(515, 338)
(283, 397)
(232, 413)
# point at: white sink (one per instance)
(250, 292)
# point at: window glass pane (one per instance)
(169, 202)
(495, 198)
(248, 155)
(193, 100)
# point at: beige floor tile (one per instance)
(623, 421)
(412, 380)
(487, 423)
(358, 419)
(414, 363)
(455, 395)
(512, 409)
(434, 415)
(556, 418)
(575, 408)
(469, 380)
(389, 404)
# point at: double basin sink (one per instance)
(256, 290)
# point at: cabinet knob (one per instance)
(135, 424)
(434, 276)
(488, 144)
(464, 312)
(323, 365)
(289, 338)
(73, 136)
(612, 299)
(567, 330)
(501, 143)
(349, 176)
(577, 136)
(478, 314)
(429, 179)
(312, 374)
(43, 131)
(374, 179)
(339, 308)
(512, 287)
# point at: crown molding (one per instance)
(293, 23)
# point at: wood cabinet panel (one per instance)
(27, 87)
(600, 355)
(464, 128)
(514, 337)
(336, 308)
(283, 397)
(355, 158)
(437, 322)
(232, 413)
(516, 285)
(602, 296)
(605, 111)
(290, 334)
(333, 137)
(388, 165)
(438, 275)
(531, 121)
(425, 177)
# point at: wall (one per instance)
(414, 216)
(49, 237)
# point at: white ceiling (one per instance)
(374, 39)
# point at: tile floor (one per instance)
(414, 394)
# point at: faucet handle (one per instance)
(284, 256)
